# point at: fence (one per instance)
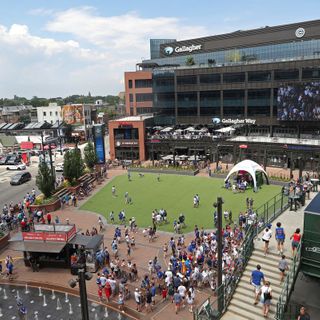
(288, 286)
(265, 214)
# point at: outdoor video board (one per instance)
(299, 101)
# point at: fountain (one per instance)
(27, 290)
(5, 297)
(40, 292)
(106, 313)
(1, 314)
(53, 295)
(96, 317)
(59, 306)
(66, 300)
(119, 316)
(18, 295)
(70, 309)
(36, 315)
(44, 301)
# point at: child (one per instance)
(164, 293)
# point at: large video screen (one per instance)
(299, 102)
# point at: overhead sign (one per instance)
(126, 143)
(239, 121)
(193, 47)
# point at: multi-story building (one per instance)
(51, 113)
(15, 114)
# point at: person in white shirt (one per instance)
(267, 235)
(182, 291)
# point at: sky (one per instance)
(59, 48)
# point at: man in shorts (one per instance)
(177, 300)
(280, 237)
(256, 277)
(283, 267)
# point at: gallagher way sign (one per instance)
(238, 121)
(169, 50)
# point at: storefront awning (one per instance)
(33, 246)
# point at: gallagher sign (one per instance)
(169, 50)
(238, 121)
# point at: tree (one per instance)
(90, 156)
(190, 61)
(45, 180)
(73, 165)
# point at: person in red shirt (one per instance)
(49, 218)
(296, 237)
(164, 293)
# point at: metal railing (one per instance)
(288, 285)
(265, 214)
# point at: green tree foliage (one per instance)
(73, 165)
(45, 180)
(90, 156)
(190, 61)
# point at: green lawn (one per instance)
(175, 194)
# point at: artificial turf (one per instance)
(175, 194)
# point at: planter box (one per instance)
(4, 241)
(49, 207)
(166, 171)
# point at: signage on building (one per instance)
(125, 124)
(300, 32)
(126, 143)
(169, 50)
(98, 136)
(238, 121)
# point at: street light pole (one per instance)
(220, 248)
(83, 294)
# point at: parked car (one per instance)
(20, 178)
(13, 160)
(19, 166)
(4, 160)
(59, 167)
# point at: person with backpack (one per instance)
(266, 296)
(280, 237)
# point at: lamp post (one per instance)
(81, 280)
(218, 205)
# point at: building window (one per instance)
(311, 73)
(143, 83)
(210, 103)
(142, 97)
(131, 97)
(44, 113)
(130, 84)
(185, 80)
(233, 103)
(126, 134)
(286, 74)
(187, 103)
(56, 113)
(50, 113)
(259, 76)
(210, 78)
(259, 102)
(233, 77)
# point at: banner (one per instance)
(98, 136)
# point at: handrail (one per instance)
(288, 285)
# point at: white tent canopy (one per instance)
(249, 166)
(168, 129)
(225, 130)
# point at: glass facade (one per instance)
(259, 102)
(275, 52)
(143, 83)
(210, 103)
(155, 46)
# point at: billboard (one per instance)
(299, 102)
(73, 114)
(98, 136)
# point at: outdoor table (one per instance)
(315, 183)
(293, 200)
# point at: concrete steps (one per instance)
(242, 303)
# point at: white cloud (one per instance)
(40, 12)
(93, 56)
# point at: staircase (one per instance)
(241, 306)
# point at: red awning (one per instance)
(27, 145)
(243, 146)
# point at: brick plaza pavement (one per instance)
(142, 253)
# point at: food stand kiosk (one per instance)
(52, 245)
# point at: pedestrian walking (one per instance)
(267, 234)
(303, 314)
(177, 301)
(256, 278)
(111, 216)
(113, 191)
(121, 302)
(190, 301)
(280, 237)
(101, 224)
(296, 238)
(137, 298)
(266, 297)
(283, 267)
(158, 177)
(129, 176)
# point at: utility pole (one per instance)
(83, 294)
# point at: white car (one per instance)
(59, 167)
(19, 166)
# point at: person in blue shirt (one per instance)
(280, 237)
(256, 277)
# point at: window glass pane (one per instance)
(210, 78)
(130, 84)
(181, 80)
(311, 73)
(141, 97)
(233, 77)
(259, 76)
(286, 74)
(143, 83)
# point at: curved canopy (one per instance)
(249, 166)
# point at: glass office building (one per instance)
(233, 76)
